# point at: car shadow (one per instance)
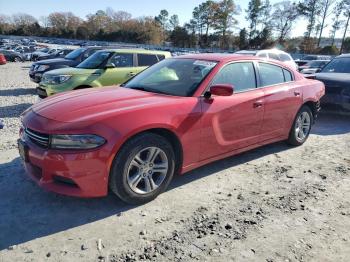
(13, 110)
(17, 92)
(331, 124)
(28, 212)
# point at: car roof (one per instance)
(344, 55)
(137, 51)
(218, 57)
(224, 58)
(252, 52)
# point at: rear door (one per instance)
(232, 122)
(282, 99)
(120, 67)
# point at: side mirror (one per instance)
(318, 70)
(221, 90)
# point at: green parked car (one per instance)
(104, 68)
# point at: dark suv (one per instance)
(71, 60)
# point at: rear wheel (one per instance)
(301, 127)
(142, 169)
(17, 59)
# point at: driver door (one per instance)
(232, 122)
(119, 68)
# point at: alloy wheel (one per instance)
(147, 170)
(303, 126)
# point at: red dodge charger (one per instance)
(173, 117)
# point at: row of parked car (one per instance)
(26, 50)
(95, 66)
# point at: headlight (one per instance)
(55, 79)
(42, 67)
(76, 141)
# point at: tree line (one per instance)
(214, 24)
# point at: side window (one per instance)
(161, 57)
(122, 60)
(273, 56)
(146, 59)
(270, 74)
(240, 75)
(287, 75)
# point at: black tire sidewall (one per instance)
(118, 175)
(292, 135)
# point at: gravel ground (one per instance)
(276, 203)
(16, 95)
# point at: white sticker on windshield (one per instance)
(204, 63)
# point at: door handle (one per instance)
(257, 104)
(296, 93)
(131, 74)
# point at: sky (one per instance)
(183, 8)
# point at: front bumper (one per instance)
(73, 173)
(35, 77)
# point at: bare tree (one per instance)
(346, 13)
(325, 12)
(285, 14)
(337, 22)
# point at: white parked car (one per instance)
(272, 54)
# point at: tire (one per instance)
(304, 119)
(17, 59)
(131, 174)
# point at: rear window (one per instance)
(146, 59)
(264, 55)
(284, 57)
(274, 56)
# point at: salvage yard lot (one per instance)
(275, 203)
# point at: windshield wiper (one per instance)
(148, 90)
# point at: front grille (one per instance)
(37, 138)
(41, 92)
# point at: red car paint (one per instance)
(207, 128)
(2, 59)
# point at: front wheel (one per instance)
(301, 127)
(142, 169)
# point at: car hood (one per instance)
(336, 77)
(97, 103)
(56, 61)
(70, 71)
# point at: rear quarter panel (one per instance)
(312, 90)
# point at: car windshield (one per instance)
(95, 60)
(52, 51)
(310, 57)
(75, 54)
(177, 77)
(337, 65)
(44, 50)
(317, 63)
